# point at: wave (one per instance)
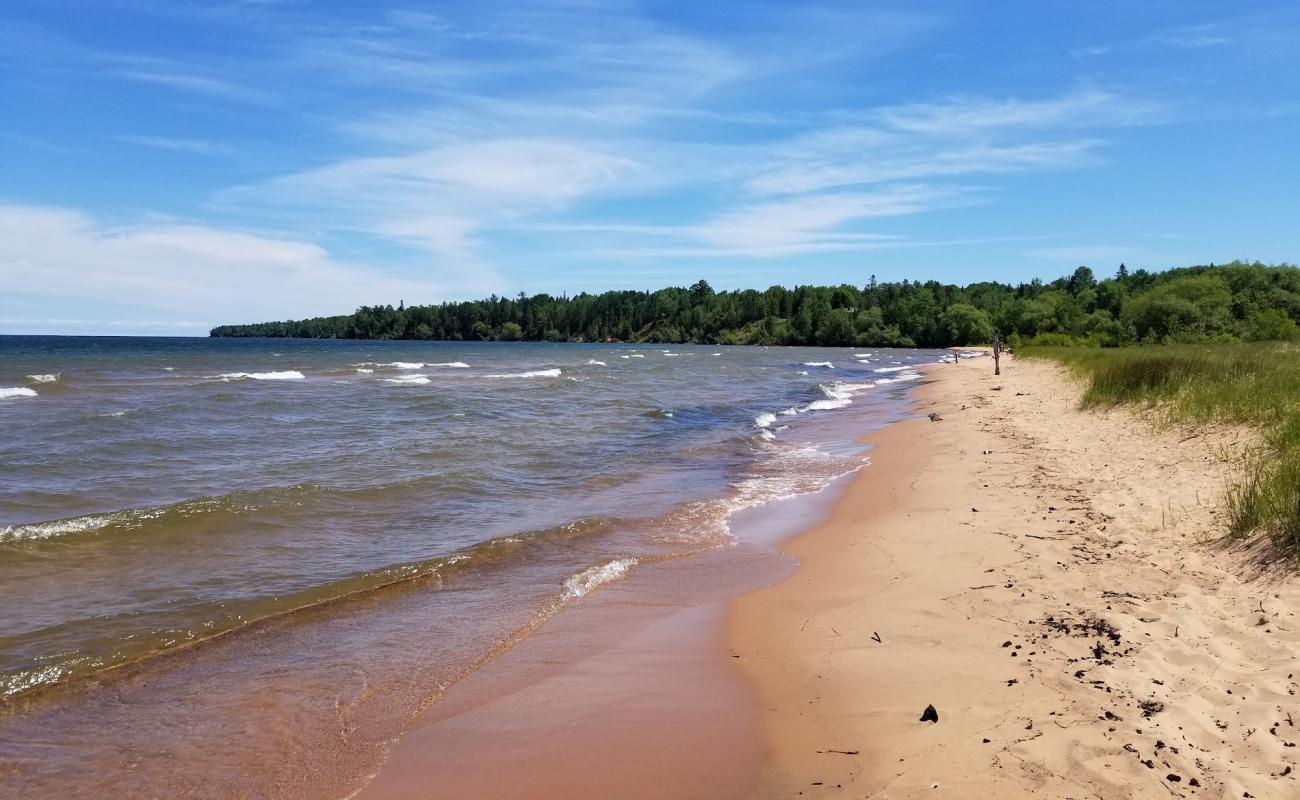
(907, 376)
(838, 395)
(364, 370)
(231, 617)
(537, 373)
(597, 576)
(16, 391)
(134, 519)
(411, 364)
(591, 362)
(284, 375)
(834, 396)
(408, 380)
(45, 378)
(826, 364)
(637, 355)
(891, 369)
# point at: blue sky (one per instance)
(166, 166)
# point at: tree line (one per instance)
(1230, 302)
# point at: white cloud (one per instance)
(441, 199)
(186, 273)
(960, 136)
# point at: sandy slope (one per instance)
(1037, 573)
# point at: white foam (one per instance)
(828, 405)
(907, 376)
(365, 370)
(787, 471)
(625, 356)
(43, 378)
(591, 578)
(536, 373)
(286, 375)
(637, 355)
(890, 369)
(802, 372)
(58, 527)
(594, 363)
(16, 391)
(838, 395)
(764, 420)
(408, 380)
(412, 364)
(25, 680)
(826, 364)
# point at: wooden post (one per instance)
(997, 353)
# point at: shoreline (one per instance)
(1055, 584)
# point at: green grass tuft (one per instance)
(1257, 385)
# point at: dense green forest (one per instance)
(1230, 302)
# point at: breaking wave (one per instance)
(284, 375)
(591, 578)
(537, 373)
(408, 380)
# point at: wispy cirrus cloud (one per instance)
(814, 223)
(442, 198)
(1088, 254)
(179, 145)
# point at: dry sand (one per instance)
(1056, 584)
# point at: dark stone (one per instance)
(930, 715)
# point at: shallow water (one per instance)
(373, 520)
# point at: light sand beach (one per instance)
(1055, 583)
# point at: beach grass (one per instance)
(1251, 384)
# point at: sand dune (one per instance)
(1055, 583)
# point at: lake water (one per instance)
(235, 552)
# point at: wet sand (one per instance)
(1055, 583)
(626, 695)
